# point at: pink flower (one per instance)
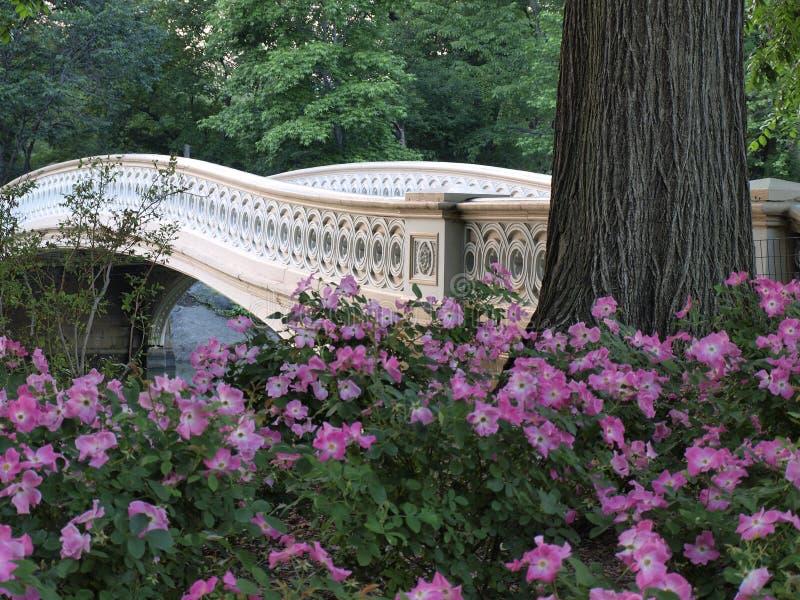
(24, 412)
(391, 366)
(421, 414)
(200, 588)
(668, 481)
(73, 544)
(331, 443)
(240, 324)
(736, 279)
(752, 583)
(25, 493)
(87, 518)
(702, 551)
(792, 471)
(681, 314)
(437, 589)
(277, 386)
(758, 525)
(9, 465)
(231, 400)
(355, 434)
(604, 307)
(82, 403)
(193, 419)
(11, 550)
(348, 286)
(42, 458)
(700, 460)
(266, 529)
(582, 335)
(223, 462)
(39, 361)
(484, 418)
(317, 553)
(95, 446)
(613, 431)
(601, 594)
(229, 583)
(348, 390)
(295, 411)
(450, 314)
(283, 556)
(156, 517)
(547, 437)
(649, 562)
(543, 562)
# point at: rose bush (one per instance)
(379, 450)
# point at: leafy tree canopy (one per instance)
(67, 74)
(15, 12)
(773, 34)
(310, 84)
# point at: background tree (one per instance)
(309, 84)
(650, 196)
(475, 64)
(773, 40)
(14, 12)
(65, 76)
(20, 254)
(164, 116)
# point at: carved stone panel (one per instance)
(424, 258)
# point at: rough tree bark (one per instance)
(650, 198)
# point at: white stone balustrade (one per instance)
(390, 225)
(253, 238)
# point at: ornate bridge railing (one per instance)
(391, 225)
(253, 238)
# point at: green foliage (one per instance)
(309, 84)
(485, 83)
(14, 12)
(19, 253)
(773, 34)
(66, 75)
(64, 292)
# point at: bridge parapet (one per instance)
(390, 225)
(396, 179)
(253, 238)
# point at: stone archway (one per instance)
(160, 354)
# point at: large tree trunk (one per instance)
(650, 198)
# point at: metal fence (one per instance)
(778, 259)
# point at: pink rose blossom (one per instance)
(73, 544)
(702, 551)
(156, 517)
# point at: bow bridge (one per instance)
(390, 225)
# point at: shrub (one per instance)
(384, 446)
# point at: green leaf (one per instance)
(417, 292)
(260, 575)
(413, 523)
(213, 484)
(247, 587)
(64, 568)
(136, 547)
(583, 576)
(138, 523)
(161, 492)
(495, 485)
(159, 539)
(377, 491)
(363, 555)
